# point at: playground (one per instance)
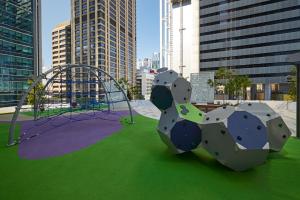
(132, 163)
(103, 148)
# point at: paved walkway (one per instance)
(146, 108)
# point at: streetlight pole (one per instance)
(181, 38)
(298, 101)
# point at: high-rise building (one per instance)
(253, 38)
(20, 47)
(104, 35)
(156, 60)
(165, 25)
(180, 36)
(61, 54)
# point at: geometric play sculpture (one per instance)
(238, 137)
(277, 131)
(178, 125)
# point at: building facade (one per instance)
(20, 47)
(253, 38)
(104, 35)
(165, 25)
(144, 81)
(61, 55)
(180, 36)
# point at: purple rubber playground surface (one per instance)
(62, 135)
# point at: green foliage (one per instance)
(36, 94)
(123, 83)
(293, 86)
(234, 85)
(237, 86)
(132, 91)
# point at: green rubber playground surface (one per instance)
(134, 164)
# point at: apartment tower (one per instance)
(61, 55)
(104, 35)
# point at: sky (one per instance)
(57, 11)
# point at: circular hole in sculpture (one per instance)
(284, 136)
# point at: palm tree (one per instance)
(223, 75)
(246, 82)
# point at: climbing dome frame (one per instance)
(88, 83)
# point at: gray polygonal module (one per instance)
(217, 140)
(219, 114)
(237, 139)
(167, 121)
(278, 132)
(178, 134)
(165, 78)
(181, 90)
(261, 110)
(161, 95)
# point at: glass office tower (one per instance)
(20, 47)
(253, 38)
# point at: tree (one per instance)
(237, 86)
(234, 85)
(246, 82)
(293, 86)
(222, 77)
(36, 95)
(123, 83)
(132, 91)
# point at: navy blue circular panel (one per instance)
(161, 97)
(186, 135)
(247, 130)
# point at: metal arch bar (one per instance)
(11, 140)
(12, 127)
(101, 82)
(66, 67)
